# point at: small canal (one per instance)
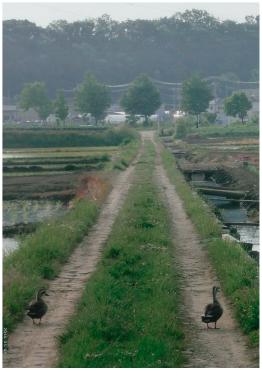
(232, 208)
(235, 216)
(230, 205)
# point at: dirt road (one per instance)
(33, 346)
(226, 347)
(36, 346)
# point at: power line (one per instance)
(174, 85)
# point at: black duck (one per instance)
(38, 308)
(213, 310)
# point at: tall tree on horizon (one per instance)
(196, 96)
(142, 98)
(237, 105)
(34, 95)
(92, 97)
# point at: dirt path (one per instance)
(36, 346)
(226, 347)
(33, 346)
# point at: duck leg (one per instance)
(216, 325)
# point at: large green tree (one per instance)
(196, 96)
(60, 107)
(92, 97)
(142, 98)
(237, 105)
(34, 95)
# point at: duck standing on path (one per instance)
(213, 311)
(38, 308)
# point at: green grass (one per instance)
(40, 258)
(42, 254)
(253, 169)
(237, 272)
(125, 155)
(63, 152)
(128, 314)
(232, 130)
(64, 138)
(55, 160)
(185, 126)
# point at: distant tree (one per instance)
(34, 95)
(60, 107)
(210, 117)
(92, 97)
(141, 98)
(237, 105)
(196, 96)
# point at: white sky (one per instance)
(42, 13)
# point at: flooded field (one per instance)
(19, 214)
(30, 211)
(32, 194)
(9, 245)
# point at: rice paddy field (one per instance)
(39, 182)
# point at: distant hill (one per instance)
(168, 49)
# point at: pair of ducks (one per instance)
(213, 311)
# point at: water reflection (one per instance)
(9, 245)
(232, 212)
(30, 211)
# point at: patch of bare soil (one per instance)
(226, 347)
(57, 186)
(40, 186)
(36, 346)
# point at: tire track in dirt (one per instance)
(226, 347)
(35, 346)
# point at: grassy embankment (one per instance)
(125, 156)
(237, 272)
(39, 138)
(42, 254)
(229, 131)
(40, 257)
(128, 314)
(185, 127)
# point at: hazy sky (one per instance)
(42, 13)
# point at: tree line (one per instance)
(141, 98)
(167, 49)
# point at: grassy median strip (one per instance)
(237, 272)
(128, 314)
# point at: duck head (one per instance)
(216, 290)
(41, 292)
